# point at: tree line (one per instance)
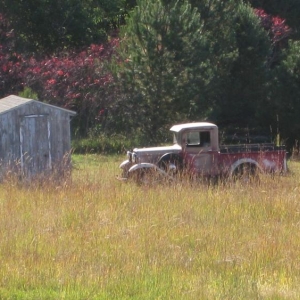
(135, 67)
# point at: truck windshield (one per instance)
(175, 138)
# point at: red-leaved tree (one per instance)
(75, 80)
(278, 32)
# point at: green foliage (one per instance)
(286, 94)
(106, 141)
(244, 89)
(28, 93)
(50, 26)
(102, 144)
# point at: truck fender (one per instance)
(125, 164)
(241, 161)
(146, 166)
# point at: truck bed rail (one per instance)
(250, 148)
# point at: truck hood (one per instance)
(153, 154)
(158, 150)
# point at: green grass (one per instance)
(93, 237)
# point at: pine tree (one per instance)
(168, 65)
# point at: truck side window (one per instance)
(205, 138)
(198, 139)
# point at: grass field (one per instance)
(93, 237)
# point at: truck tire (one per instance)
(246, 173)
(168, 161)
(146, 176)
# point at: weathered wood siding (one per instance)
(32, 121)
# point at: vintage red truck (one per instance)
(196, 151)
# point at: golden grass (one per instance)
(94, 237)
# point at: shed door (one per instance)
(35, 144)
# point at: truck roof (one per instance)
(196, 125)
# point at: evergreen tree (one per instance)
(52, 25)
(244, 90)
(169, 69)
(284, 100)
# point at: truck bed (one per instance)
(246, 148)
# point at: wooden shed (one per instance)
(34, 136)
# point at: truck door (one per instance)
(198, 149)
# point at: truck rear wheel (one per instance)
(246, 174)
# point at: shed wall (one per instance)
(10, 122)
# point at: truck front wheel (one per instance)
(171, 164)
(145, 176)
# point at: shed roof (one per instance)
(12, 102)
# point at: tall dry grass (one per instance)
(93, 237)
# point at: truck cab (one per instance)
(200, 145)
